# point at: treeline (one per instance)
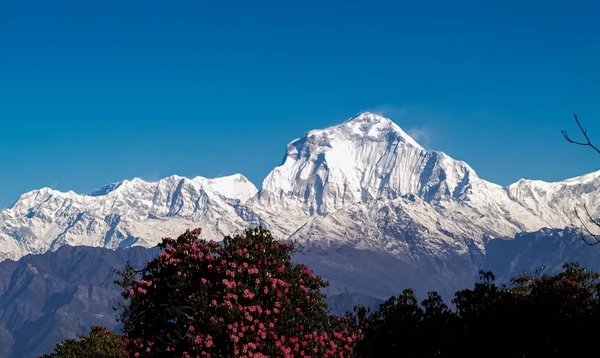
(245, 298)
(533, 316)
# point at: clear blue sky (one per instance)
(93, 92)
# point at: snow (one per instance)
(234, 186)
(362, 185)
(363, 159)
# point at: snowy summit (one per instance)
(367, 157)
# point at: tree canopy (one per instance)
(241, 297)
(533, 316)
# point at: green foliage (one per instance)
(99, 343)
(534, 315)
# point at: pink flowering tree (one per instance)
(239, 298)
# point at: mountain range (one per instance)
(372, 210)
(362, 186)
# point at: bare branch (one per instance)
(587, 142)
(594, 239)
(594, 221)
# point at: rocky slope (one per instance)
(50, 297)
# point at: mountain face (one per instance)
(361, 198)
(545, 248)
(555, 202)
(50, 297)
(122, 214)
(47, 298)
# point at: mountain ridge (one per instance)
(366, 168)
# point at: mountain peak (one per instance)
(365, 158)
(235, 186)
(368, 117)
(373, 125)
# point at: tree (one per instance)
(536, 315)
(533, 315)
(594, 238)
(392, 328)
(99, 343)
(243, 297)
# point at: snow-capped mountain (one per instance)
(370, 159)
(555, 202)
(122, 214)
(372, 210)
(361, 189)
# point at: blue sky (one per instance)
(93, 92)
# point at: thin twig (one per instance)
(584, 131)
(596, 222)
(594, 237)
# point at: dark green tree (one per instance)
(534, 315)
(100, 343)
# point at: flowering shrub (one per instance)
(241, 298)
(99, 343)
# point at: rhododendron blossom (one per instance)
(242, 298)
